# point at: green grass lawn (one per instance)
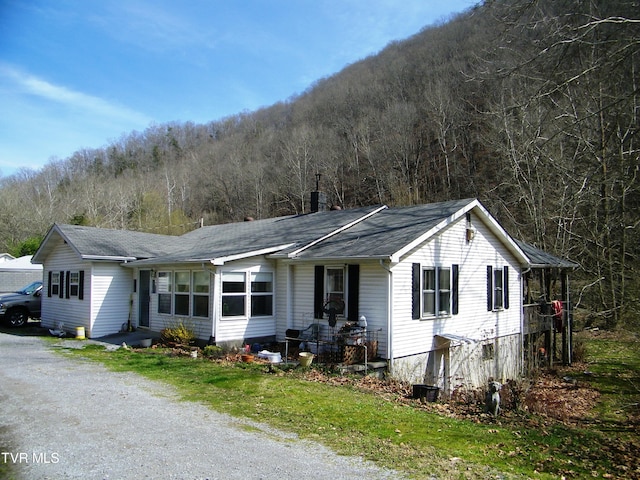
(613, 363)
(400, 434)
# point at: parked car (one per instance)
(16, 308)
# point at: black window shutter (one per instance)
(81, 285)
(67, 285)
(505, 286)
(489, 288)
(415, 291)
(455, 270)
(49, 285)
(61, 286)
(354, 292)
(318, 291)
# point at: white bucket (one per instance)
(305, 358)
(80, 333)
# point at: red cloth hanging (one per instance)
(558, 315)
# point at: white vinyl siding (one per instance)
(111, 287)
(373, 294)
(245, 326)
(224, 328)
(105, 307)
(302, 295)
(162, 316)
(71, 312)
(449, 247)
(284, 279)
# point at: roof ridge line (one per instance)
(297, 252)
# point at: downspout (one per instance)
(389, 316)
(289, 313)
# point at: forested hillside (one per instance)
(531, 106)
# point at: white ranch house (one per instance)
(441, 284)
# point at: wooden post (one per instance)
(551, 336)
(569, 318)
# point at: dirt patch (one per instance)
(561, 398)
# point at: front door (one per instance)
(144, 298)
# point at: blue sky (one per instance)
(81, 73)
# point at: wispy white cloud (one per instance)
(42, 120)
(154, 26)
(24, 83)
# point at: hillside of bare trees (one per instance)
(529, 105)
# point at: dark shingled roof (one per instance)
(367, 232)
(539, 258)
(103, 242)
(224, 240)
(386, 232)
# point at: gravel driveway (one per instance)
(65, 418)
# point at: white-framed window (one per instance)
(181, 292)
(261, 294)
(164, 285)
(201, 281)
(335, 292)
(497, 288)
(436, 291)
(74, 282)
(234, 294)
(247, 293)
(66, 284)
(55, 283)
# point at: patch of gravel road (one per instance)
(66, 418)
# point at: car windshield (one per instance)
(31, 288)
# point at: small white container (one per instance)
(273, 357)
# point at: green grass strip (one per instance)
(353, 422)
